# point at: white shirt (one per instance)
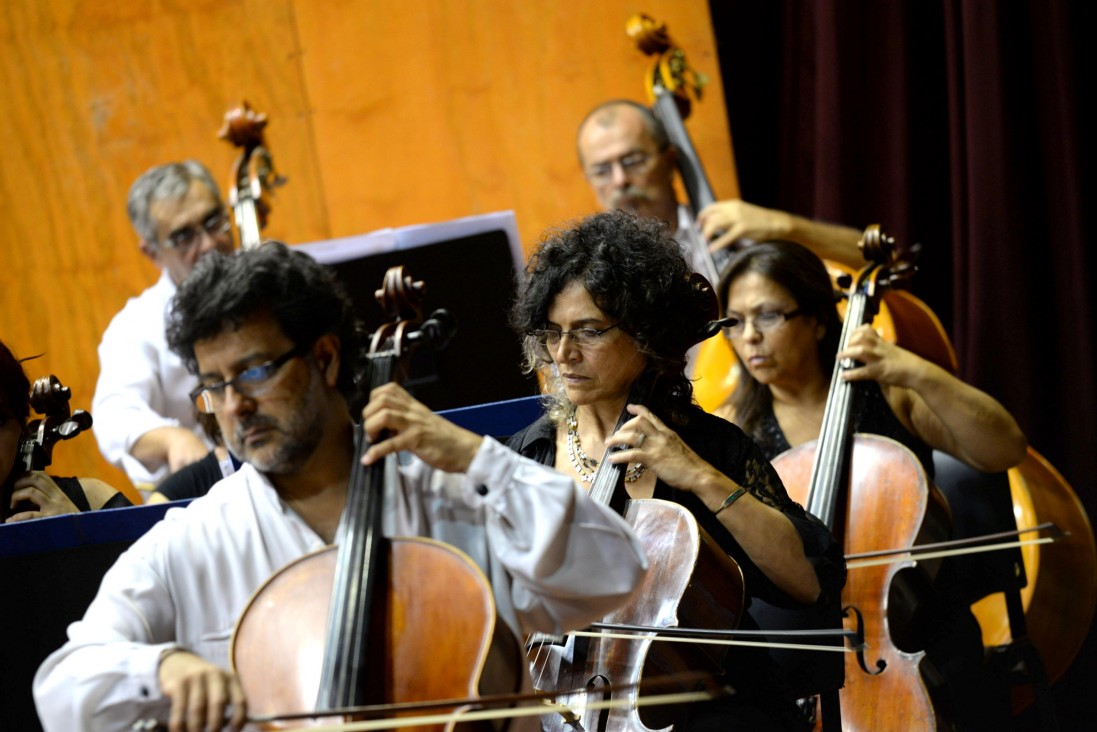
(695, 250)
(694, 247)
(142, 384)
(556, 561)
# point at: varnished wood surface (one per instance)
(382, 115)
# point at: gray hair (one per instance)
(605, 113)
(164, 182)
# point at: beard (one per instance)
(289, 441)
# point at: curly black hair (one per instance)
(803, 274)
(635, 273)
(14, 386)
(302, 295)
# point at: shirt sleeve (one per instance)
(571, 560)
(141, 385)
(105, 676)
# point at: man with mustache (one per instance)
(629, 162)
(277, 349)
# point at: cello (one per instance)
(872, 492)
(351, 620)
(253, 175)
(691, 583)
(901, 318)
(49, 398)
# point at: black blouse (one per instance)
(729, 450)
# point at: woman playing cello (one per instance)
(785, 330)
(608, 311)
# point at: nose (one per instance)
(750, 332)
(233, 402)
(565, 352)
(619, 177)
(207, 242)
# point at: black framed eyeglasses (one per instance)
(547, 339)
(765, 321)
(252, 382)
(216, 223)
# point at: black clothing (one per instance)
(871, 415)
(73, 491)
(749, 671)
(195, 479)
(966, 692)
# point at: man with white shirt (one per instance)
(274, 342)
(144, 421)
(629, 163)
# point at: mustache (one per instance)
(252, 422)
(627, 198)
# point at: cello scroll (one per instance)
(51, 399)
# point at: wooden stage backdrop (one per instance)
(382, 114)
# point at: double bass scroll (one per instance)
(254, 177)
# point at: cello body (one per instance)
(686, 569)
(884, 508)
(279, 631)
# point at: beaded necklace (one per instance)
(584, 464)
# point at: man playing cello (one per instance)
(272, 338)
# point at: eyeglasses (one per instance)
(634, 162)
(765, 321)
(253, 382)
(544, 340)
(215, 224)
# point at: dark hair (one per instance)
(14, 386)
(804, 275)
(302, 295)
(636, 273)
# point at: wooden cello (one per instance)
(900, 318)
(253, 175)
(374, 621)
(691, 583)
(873, 493)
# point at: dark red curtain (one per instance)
(957, 125)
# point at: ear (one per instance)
(150, 250)
(672, 155)
(326, 353)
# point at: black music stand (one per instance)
(469, 267)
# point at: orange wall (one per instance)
(382, 114)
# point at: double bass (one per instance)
(671, 82)
(374, 621)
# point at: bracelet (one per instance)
(735, 496)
